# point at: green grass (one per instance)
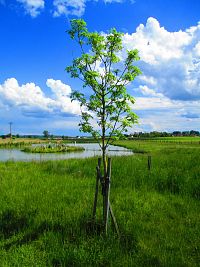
(151, 146)
(180, 138)
(172, 139)
(20, 142)
(45, 210)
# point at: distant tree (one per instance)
(194, 133)
(186, 133)
(177, 133)
(46, 133)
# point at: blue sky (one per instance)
(35, 49)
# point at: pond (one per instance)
(91, 150)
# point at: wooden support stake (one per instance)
(97, 188)
(114, 220)
(107, 194)
(105, 183)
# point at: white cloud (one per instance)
(31, 100)
(69, 7)
(166, 121)
(32, 7)
(170, 61)
(146, 91)
(155, 43)
(152, 103)
(28, 94)
(61, 95)
(169, 89)
(75, 7)
(164, 114)
(160, 113)
(148, 79)
(61, 7)
(58, 88)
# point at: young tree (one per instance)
(105, 108)
(106, 113)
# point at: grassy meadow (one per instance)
(179, 139)
(46, 207)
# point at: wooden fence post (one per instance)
(149, 162)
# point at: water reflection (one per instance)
(91, 150)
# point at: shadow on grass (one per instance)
(12, 223)
(35, 233)
(91, 227)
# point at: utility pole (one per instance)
(10, 130)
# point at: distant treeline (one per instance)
(164, 134)
(50, 136)
(132, 135)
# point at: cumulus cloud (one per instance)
(31, 100)
(170, 61)
(32, 7)
(61, 95)
(160, 113)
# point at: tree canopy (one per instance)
(106, 112)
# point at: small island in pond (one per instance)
(52, 149)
